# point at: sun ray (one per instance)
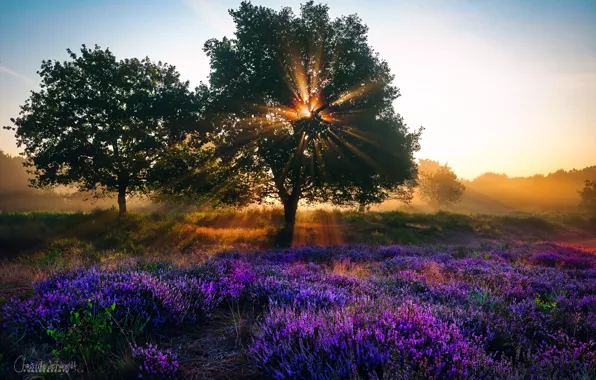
(354, 149)
(334, 146)
(297, 74)
(356, 92)
(351, 132)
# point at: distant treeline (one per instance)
(499, 193)
(558, 191)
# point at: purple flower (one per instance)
(154, 363)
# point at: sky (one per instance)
(499, 85)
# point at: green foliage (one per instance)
(378, 238)
(88, 335)
(65, 240)
(101, 124)
(422, 224)
(62, 251)
(438, 184)
(302, 109)
(153, 266)
(544, 305)
(479, 297)
(95, 338)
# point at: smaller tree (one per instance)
(102, 124)
(438, 184)
(588, 195)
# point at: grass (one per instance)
(104, 231)
(47, 237)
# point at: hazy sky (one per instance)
(499, 85)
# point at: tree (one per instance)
(438, 184)
(302, 109)
(102, 124)
(588, 195)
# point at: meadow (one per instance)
(297, 109)
(375, 295)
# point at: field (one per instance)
(359, 295)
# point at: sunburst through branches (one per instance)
(319, 122)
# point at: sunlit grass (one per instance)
(103, 231)
(347, 268)
(185, 235)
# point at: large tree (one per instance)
(302, 109)
(438, 184)
(102, 124)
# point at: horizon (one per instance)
(525, 72)
(459, 177)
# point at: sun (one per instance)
(321, 122)
(303, 110)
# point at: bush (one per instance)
(153, 363)
(87, 335)
(375, 340)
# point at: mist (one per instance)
(487, 193)
(17, 196)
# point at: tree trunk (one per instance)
(286, 235)
(122, 200)
(290, 208)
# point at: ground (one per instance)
(509, 294)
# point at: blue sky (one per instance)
(499, 85)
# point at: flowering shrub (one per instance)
(174, 299)
(153, 363)
(564, 357)
(564, 257)
(370, 339)
(524, 311)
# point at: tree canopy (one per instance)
(302, 109)
(438, 184)
(102, 124)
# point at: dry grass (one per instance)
(188, 235)
(347, 268)
(214, 351)
(433, 273)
